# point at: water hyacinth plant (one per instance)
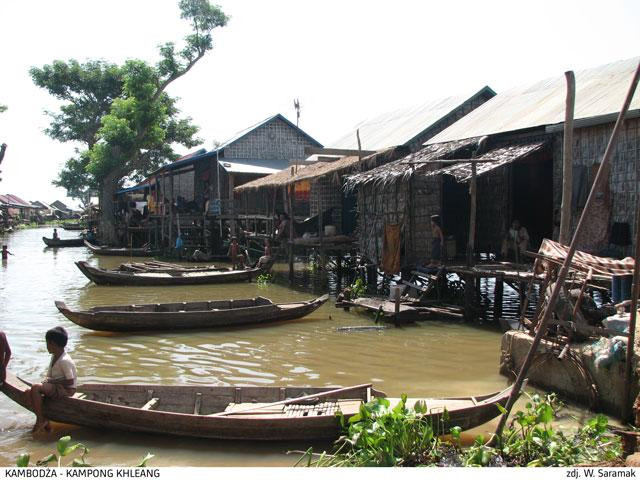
(64, 448)
(403, 436)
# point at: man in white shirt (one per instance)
(61, 376)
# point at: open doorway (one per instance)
(532, 196)
(455, 212)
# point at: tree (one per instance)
(123, 114)
(3, 147)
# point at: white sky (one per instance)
(345, 60)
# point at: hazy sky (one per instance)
(345, 60)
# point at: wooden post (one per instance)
(171, 199)
(567, 160)
(233, 210)
(631, 344)
(498, 291)
(469, 296)
(564, 270)
(397, 303)
(290, 202)
(472, 217)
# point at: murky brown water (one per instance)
(428, 359)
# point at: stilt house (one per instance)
(519, 170)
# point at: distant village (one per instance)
(15, 211)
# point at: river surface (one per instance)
(435, 358)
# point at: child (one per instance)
(236, 258)
(5, 252)
(5, 355)
(61, 376)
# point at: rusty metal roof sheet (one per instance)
(600, 92)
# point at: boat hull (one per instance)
(121, 252)
(171, 318)
(63, 242)
(195, 411)
(110, 277)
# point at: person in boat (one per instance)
(235, 256)
(437, 242)
(282, 232)
(516, 242)
(5, 356)
(5, 253)
(91, 235)
(61, 376)
(265, 261)
(55, 234)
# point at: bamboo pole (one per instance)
(472, 217)
(564, 270)
(631, 344)
(567, 160)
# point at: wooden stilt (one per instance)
(498, 291)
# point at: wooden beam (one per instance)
(567, 161)
(337, 151)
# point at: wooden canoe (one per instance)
(163, 267)
(197, 411)
(189, 315)
(63, 242)
(74, 226)
(120, 252)
(116, 277)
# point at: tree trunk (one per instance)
(107, 230)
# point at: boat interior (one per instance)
(227, 401)
(187, 306)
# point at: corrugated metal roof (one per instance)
(502, 156)
(401, 126)
(599, 91)
(257, 166)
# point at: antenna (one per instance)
(296, 105)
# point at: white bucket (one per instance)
(392, 291)
(329, 230)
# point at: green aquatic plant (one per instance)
(358, 288)
(64, 448)
(402, 436)
(264, 279)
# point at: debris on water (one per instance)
(362, 328)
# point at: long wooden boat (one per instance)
(237, 413)
(163, 267)
(63, 242)
(116, 277)
(189, 315)
(120, 252)
(74, 226)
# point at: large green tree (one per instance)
(122, 115)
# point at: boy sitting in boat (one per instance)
(5, 355)
(61, 376)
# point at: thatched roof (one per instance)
(499, 156)
(407, 166)
(318, 170)
(425, 162)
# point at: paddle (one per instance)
(293, 400)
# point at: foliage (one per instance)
(3, 108)
(383, 436)
(121, 114)
(64, 448)
(358, 288)
(264, 279)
